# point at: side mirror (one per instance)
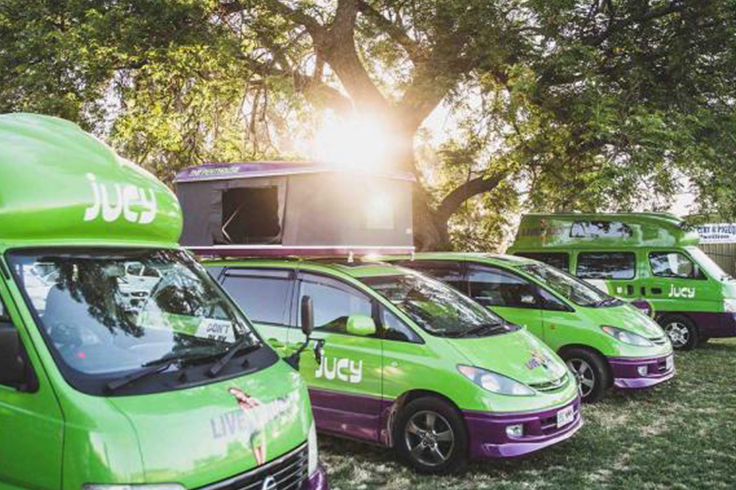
(307, 313)
(362, 325)
(12, 363)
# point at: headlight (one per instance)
(729, 305)
(313, 458)
(494, 382)
(627, 337)
(154, 486)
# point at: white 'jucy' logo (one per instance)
(682, 292)
(344, 369)
(126, 197)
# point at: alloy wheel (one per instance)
(678, 333)
(430, 438)
(584, 374)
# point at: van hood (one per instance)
(627, 317)
(518, 355)
(202, 435)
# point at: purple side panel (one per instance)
(715, 325)
(626, 374)
(318, 481)
(347, 414)
(488, 438)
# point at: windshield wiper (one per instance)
(479, 329)
(153, 367)
(243, 342)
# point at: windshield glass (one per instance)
(108, 313)
(436, 307)
(707, 264)
(568, 286)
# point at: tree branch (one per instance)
(398, 34)
(297, 16)
(473, 187)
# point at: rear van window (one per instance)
(606, 265)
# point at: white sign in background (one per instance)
(717, 233)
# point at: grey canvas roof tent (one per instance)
(294, 208)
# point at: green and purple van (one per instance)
(409, 362)
(606, 342)
(122, 363)
(639, 256)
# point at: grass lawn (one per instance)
(680, 435)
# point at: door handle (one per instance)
(656, 290)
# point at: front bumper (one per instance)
(488, 437)
(318, 480)
(626, 373)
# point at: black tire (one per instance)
(682, 331)
(592, 372)
(424, 459)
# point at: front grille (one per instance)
(549, 424)
(285, 473)
(551, 385)
(659, 340)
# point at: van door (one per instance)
(347, 388)
(514, 298)
(31, 422)
(265, 296)
(676, 283)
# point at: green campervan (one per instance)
(606, 342)
(409, 362)
(649, 256)
(122, 363)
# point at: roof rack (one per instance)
(301, 251)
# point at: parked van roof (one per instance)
(591, 230)
(256, 169)
(60, 184)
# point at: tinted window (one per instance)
(3, 312)
(673, 264)
(494, 287)
(263, 295)
(560, 260)
(568, 286)
(600, 229)
(395, 329)
(606, 265)
(333, 303)
(447, 272)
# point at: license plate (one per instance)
(565, 416)
(670, 363)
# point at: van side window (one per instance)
(494, 287)
(675, 265)
(263, 294)
(394, 329)
(600, 229)
(606, 265)
(333, 302)
(561, 260)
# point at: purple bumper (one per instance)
(318, 481)
(627, 375)
(488, 437)
(714, 325)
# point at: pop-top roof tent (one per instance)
(582, 230)
(294, 208)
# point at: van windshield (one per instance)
(706, 263)
(569, 286)
(436, 307)
(106, 314)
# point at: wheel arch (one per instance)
(406, 398)
(566, 348)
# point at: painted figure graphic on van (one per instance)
(342, 369)
(681, 292)
(126, 197)
(248, 405)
